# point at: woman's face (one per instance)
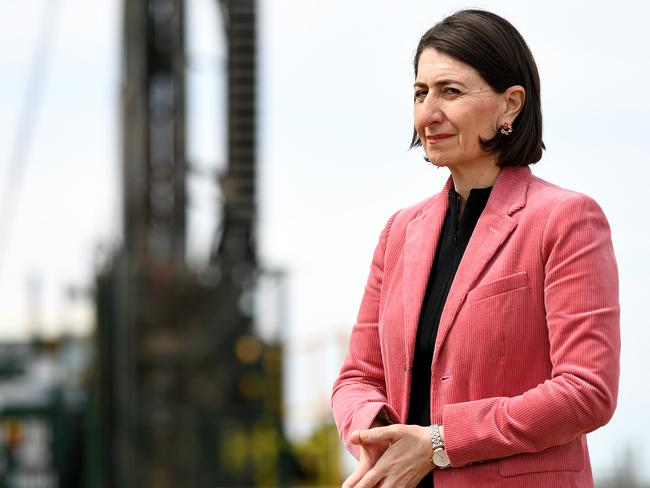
(453, 108)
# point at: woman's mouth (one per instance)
(437, 138)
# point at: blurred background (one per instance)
(189, 202)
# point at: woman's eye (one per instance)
(451, 91)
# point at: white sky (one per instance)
(335, 122)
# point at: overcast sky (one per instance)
(335, 123)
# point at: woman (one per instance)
(487, 341)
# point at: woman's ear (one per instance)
(515, 96)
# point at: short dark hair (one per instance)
(493, 47)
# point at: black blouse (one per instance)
(454, 236)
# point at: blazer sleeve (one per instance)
(359, 392)
(582, 316)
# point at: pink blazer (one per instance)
(526, 360)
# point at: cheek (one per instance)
(479, 122)
(486, 120)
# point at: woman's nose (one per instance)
(431, 112)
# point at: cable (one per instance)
(25, 128)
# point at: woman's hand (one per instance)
(402, 465)
(368, 457)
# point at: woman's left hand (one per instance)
(405, 462)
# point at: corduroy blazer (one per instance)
(526, 360)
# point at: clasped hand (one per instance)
(393, 456)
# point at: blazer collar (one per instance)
(492, 229)
(508, 192)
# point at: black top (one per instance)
(454, 237)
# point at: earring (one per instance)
(506, 128)
(426, 158)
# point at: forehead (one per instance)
(434, 65)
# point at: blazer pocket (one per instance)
(498, 286)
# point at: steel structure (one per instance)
(185, 394)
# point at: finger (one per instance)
(389, 482)
(354, 478)
(371, 479)
(380, 434)
(354, 437)
(362, 468)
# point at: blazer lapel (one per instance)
(422, 233)
(492, 229)
(420, 244)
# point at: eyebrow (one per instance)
(419, 84)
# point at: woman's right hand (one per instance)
(368, 456)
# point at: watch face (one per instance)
(440, 458)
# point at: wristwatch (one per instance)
(439, 457)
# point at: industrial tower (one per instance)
(186, 395)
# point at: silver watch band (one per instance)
(436, 439)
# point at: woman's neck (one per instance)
(478, 176)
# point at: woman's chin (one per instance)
(440, 163)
